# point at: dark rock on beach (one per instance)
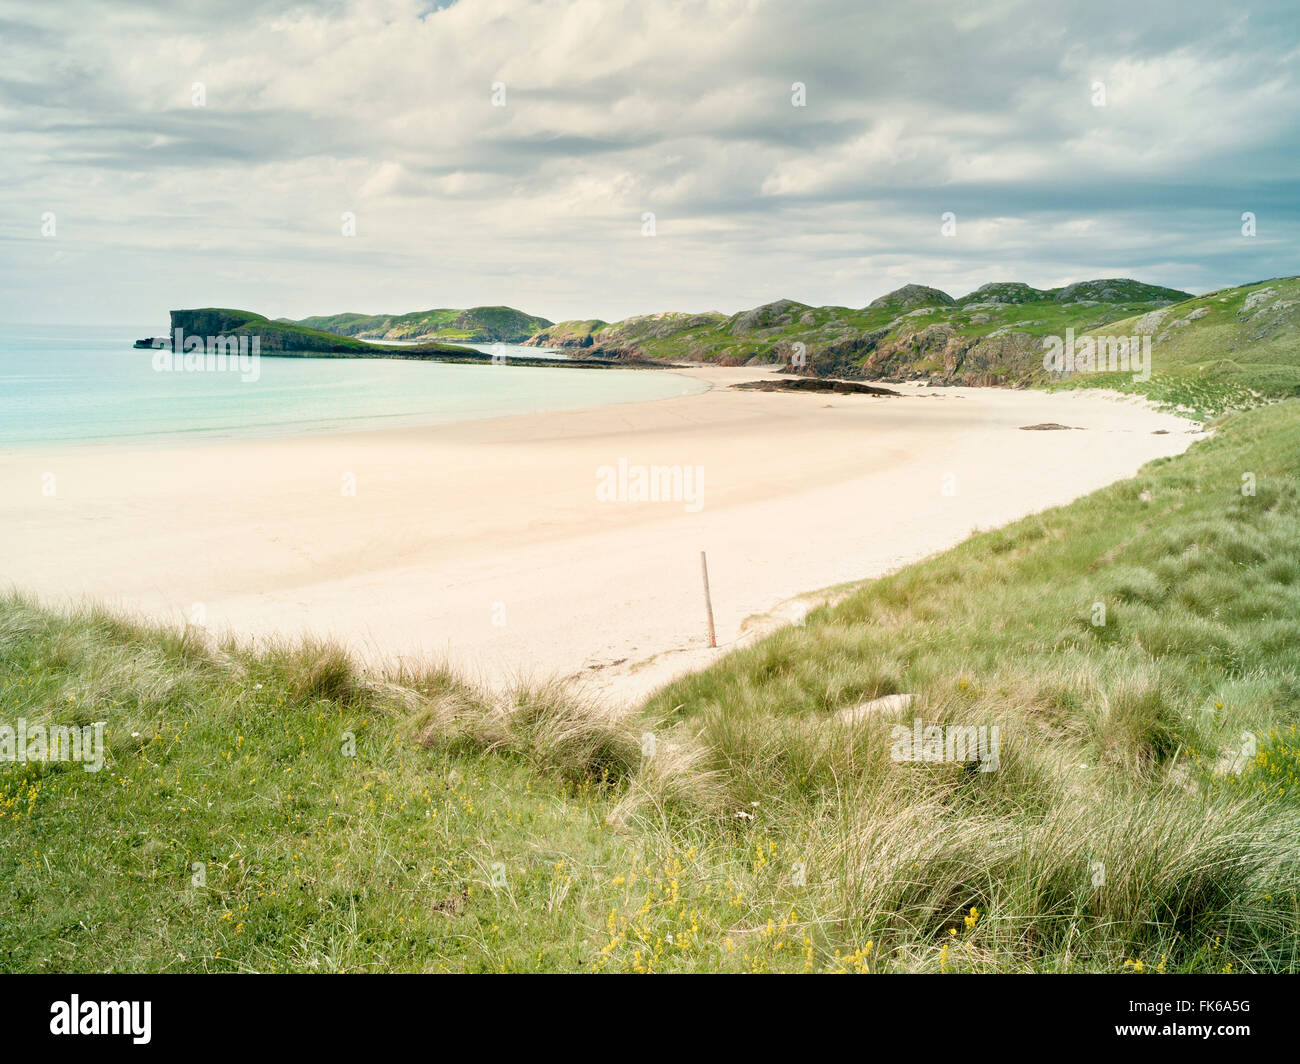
(815, 384)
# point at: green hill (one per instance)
(1230, 349)
(475, 325)
(273, 336)
(566, 334)
(911, 296)
(991, 336)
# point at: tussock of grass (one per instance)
(551, 729)
(1093, 880)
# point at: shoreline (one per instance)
(323, 427)
(482, 542)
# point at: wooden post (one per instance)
(708, 599)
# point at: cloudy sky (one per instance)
(190, 153)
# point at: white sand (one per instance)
(455, 527)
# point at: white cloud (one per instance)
(612, 109)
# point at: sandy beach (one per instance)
(485, 544)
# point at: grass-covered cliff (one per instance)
(991, 336)
(279, 337)
(475, 325)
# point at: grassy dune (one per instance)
(1121, 739)
(287, 811)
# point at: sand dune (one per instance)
(484, 542)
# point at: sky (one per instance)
(585, 159)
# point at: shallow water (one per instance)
(84, 384)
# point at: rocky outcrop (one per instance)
(1118, 290)
(668, 335)
(814, 384)
(997, 292)
(774, 315)
(911, 296)
(567, 334)
(1255, 301)
(1150, 322)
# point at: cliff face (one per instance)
(943, 353)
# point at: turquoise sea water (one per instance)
(81, 384)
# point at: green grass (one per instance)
(1118, 738)
(1124, 826)
(1232, 356)
(313, 857)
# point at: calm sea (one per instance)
(83, 384)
